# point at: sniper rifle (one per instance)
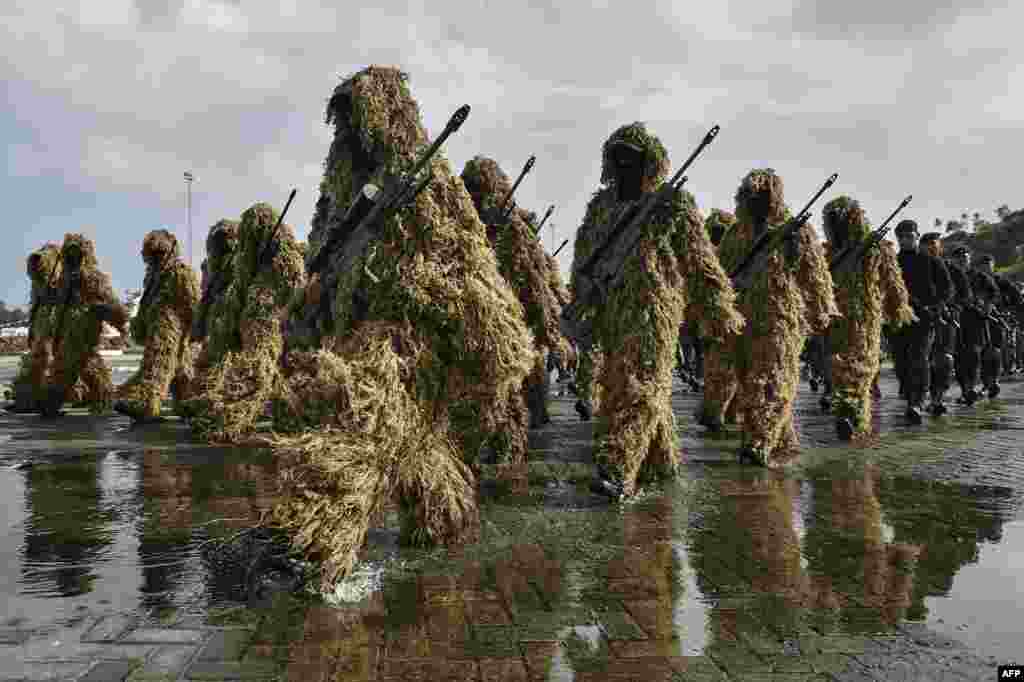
(853, 253)
(756, 259)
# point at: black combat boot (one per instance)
(826, 403)
(914, 414)
(583, 410)
(844, 428)
(938, 408)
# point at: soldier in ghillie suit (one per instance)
(930, 288)
(43, 269)
(563, 357)
(789, 299)
(868, 294)
(672, 275)
(522, 262)
(162, 325)
(238, 370)
(385, 356)
(84, 300)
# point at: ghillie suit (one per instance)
(387, 357)
(29, 386)
(163, 325)
(238, 372)
(673, 274)
(213, 316)
(717, 224)
(564, 358)
(790, 299)
(856, 572)
(522, 262)
(84, 300)
(867, 294)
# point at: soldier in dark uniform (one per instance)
(928, 284)
(986, 292)
(1011, 306)
(970, 337)
(945, 328)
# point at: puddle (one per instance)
(923, 523)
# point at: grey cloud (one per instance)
(159, 14)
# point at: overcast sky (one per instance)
(110, 102)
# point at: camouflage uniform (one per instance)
(522, 262)
(238, 371)
(384, 356)
(162, 325)
(84, 300)
(790, 299)
(868, 294)
(673, 274)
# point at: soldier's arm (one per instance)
(943, 282)
(267, 297)
(896, 309)
(710, 294)
(815, 281)
(583, 246)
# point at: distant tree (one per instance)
(938, 223)
(1003, 211)
(953, 226)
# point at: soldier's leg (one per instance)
(768, 386)
(584, 384)
(941, 367)
(917, 346)
(663, 455)
(719, 384)
(698, 358)
(142, 398)
(992, 360)
(535, 393)
(510, 439)
(635, 410)
(99, 383)
(852, 395)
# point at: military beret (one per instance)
(906, 226)
(931, 237)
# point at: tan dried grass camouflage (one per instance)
(867, 297)
(438, 329)
(238, 372)
(162, 327)
(675, 274)
(787, 301)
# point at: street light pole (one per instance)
(188, 200)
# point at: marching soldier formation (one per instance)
(413, 337)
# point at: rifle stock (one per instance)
(853, 253)
(743, 273)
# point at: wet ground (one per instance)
(842, 566)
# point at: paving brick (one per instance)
(51, 670)
(109, 671)
(225, 645)
(502, 670)
(109, 628)
(14, 636)
(169, 659)
(231, 670)
(163, 636)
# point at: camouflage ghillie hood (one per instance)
(85, 245)
(655, 156)
(485, 181)
(255, 230)
(844, 221)
(42, 265)
(225, 232)
(760, 197)
(718, 223)
(162, 245)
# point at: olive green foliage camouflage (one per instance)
(522, 263)
(43, 270)
(867, 297)
(718, 223)
(79, 325)
(239, 372)
(440, 329)
(674, 275)
(162, 326)
(787, 301)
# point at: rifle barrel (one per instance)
(522, 174)
(828, 183)
(547, 214)
(562, 246)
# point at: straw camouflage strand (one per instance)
(420, 327)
